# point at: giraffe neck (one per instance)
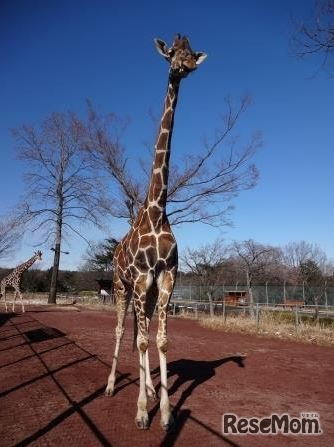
(23, 267)
(157, 191)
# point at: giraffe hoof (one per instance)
(142, 423)
(109, 391)
(167, 427)
(151, 394)
(152, 397)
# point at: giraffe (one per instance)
(14, 279)
(146, 259)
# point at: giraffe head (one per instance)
(181, 57)
(38, 255)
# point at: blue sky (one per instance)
(55, 54)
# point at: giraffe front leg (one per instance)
(150, 390)
(165, 290)
(17, 290)
(167, 420)
(3, 293)
(141, 420)
(15, 293)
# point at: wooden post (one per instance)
(304, 291)
(296, 318)
(326, 298)
(224, 310)
(196, 311)
(257, 316)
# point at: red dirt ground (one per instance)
(54, 365)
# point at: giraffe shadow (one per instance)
(194, 373)
(4, 317)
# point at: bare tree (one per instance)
(206, 264)
(307, 263)
(255, 258)
(62, 191)
(314, 282)
(298, 252)
(316, 36)
(200, 189)
(9, 236)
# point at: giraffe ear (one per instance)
(162, 48)
(200, 57)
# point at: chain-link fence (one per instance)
(262, 294)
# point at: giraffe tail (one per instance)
(135, 329)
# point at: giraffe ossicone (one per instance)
(14, 279)
(146, 259)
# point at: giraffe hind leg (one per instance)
(122, 304)
(150, 390)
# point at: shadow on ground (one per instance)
(24, 332)
(196, 372)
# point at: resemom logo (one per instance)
(305, 424)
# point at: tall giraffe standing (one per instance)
(14, 279)
(145, 261)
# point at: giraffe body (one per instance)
(145, 261)
(14, 279)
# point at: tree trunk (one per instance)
(59, 224)
(55, 270)
(250, 293)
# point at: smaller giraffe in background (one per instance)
(14, 279)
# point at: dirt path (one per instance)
(54, 365)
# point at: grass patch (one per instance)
(276, 324)
(290, 318)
